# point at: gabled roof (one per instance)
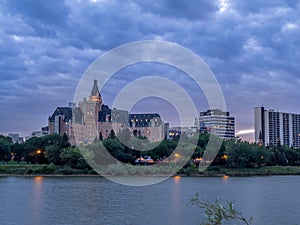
(66, 111)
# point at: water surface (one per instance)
(95, 200)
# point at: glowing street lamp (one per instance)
(177, 155)
(225, 157)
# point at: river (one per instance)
(95, 200)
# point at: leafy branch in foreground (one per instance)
(217, 213)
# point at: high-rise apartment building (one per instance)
(216, 122)
(272, 127)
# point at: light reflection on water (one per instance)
(94, 200)
(36, 207)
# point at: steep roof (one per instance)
(66, 111)
(95, 90)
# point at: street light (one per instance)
(177, 155)
(225, 157)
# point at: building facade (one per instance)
(148, 125)
(216, 122)
(272, 127)
(90, 111)
(61, 121)
(92, 119)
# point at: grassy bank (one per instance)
(32, 169)
(262, 171)
(35, 169)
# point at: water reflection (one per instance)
(225, 177)
(37, 200)
(176, 179)
(176, 200)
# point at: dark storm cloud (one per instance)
(45, 47)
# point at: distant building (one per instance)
(16, 138)
(149, 125)
(112, 119)
(273, 127)
(216, 122)
(39, 133)
(175, 132)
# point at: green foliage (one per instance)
(43, 169)
(117, 150)
(5, 148)
(49, 145)
(68, 170)
(48, 169)
(243, 154)
(71, 157)
(164, 149)
(53, 154)
(56, 149)
(217, 213)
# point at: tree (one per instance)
(49, 140)
(117, 150)
(64, 141)
(113, 146)
(5, 148)
(34, 150)
(292, 156)
(203, 140)
(239, 153)
(72, 157)
(112, 134)
(18, 150)
(164, 149)
(53, 154)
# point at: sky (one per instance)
(252, 47)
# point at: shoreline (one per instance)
(221, 175)
(214, 171)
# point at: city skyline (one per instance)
(250, 47)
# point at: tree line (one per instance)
(51, 148)
(56, 149)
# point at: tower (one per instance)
(90, 110)
(95, 94)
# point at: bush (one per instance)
(68, 171)
(217, 213)
(45, 169)
(29, 171)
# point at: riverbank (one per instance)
(33, 169)
(52, 170)
(262, 171)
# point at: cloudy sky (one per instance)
(252, 47)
